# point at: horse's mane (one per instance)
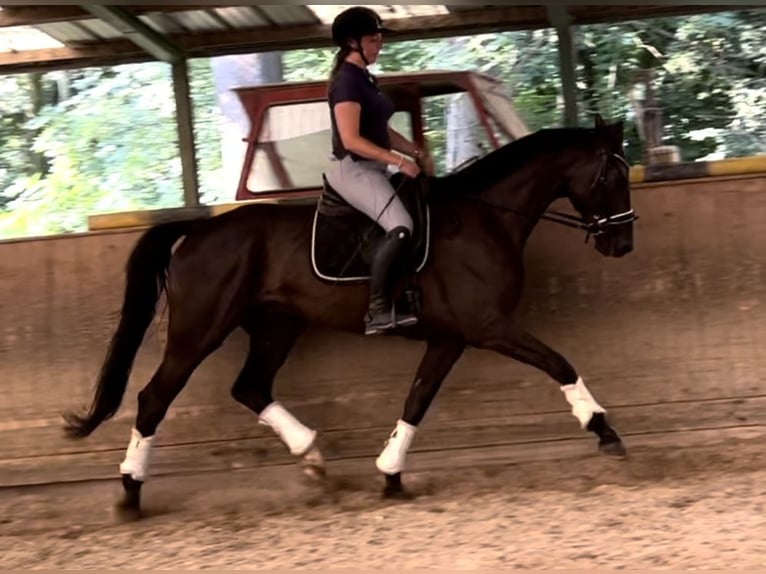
(484, 172)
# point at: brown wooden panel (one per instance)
(495, 425)
(249, 453)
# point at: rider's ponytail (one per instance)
(340, 57)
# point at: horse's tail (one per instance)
(146, 275)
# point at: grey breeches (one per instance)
(365, 186)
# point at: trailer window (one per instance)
(294, 146)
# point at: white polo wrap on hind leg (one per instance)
(584, 406)
(298, 437)
(391, 460)
(136, 462)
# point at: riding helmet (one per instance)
(355, 22)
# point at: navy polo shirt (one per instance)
(355, 84)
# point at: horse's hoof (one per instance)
(613, 448)
(313, 465)
(394, 490)
(127, 513)
(128, 509)
(397, 494)
(313, 472)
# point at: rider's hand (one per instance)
(409, 168)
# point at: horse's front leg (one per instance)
(522, 346)
(439, 358)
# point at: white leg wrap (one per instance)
(391, 460)
(136, 462)
(293, 432)
(584, 406)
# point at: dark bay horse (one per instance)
(252, 268)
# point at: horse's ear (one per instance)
(600, 123)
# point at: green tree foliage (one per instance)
(110, 144)
(709, 78)
(15, 111)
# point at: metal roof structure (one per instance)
(45, 37)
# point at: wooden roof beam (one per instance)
(603, 14)
(107, 54)
(318, 35)
(32, 15)
(499, 18)
(261, 39)
(36, 15)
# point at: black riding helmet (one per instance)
(355, 22)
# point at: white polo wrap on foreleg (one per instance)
(584, 406)
(391, 460)
(298, 437)
(136, 462)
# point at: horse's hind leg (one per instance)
(522, 346)
(272, 336)
(153, 402)
(439, 358)
(199, 322)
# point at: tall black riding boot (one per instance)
(386, 268)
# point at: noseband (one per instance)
(599, 223)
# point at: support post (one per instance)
(184, 119)
(559, 18)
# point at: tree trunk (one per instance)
(37, 96)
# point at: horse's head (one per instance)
(600, 191)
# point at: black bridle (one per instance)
(595, 226)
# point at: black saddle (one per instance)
(344, 239)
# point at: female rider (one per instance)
(363, 148)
